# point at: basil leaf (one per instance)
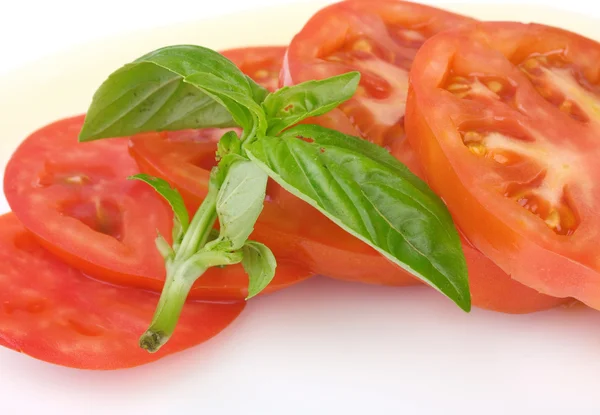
(260, 264)
(229, 143)
(291, 104)
(375, 199)
(181, 219)
(239, 203)
(151, 94)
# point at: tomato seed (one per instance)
(494, 86)
(362, 45)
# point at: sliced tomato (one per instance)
(76, 198)
(55, 313)
(380, 39)
(505, 119)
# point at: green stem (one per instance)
(180, 278)
(202, 223)
(172, 299)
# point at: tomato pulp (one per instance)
(55, 313)
(504, 117)
(75, 197)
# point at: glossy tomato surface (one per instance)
(53, 312)
(380, 39)
(291, 228)
(75, 197)
(504, 118)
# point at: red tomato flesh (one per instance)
(75, 197)
(380, 39)
(53, 312)
(505, 119)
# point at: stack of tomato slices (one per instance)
(499, 118)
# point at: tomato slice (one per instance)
(380, 39)
(505, 119)
(76, 198)
(53, 312)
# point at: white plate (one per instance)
(322, 347)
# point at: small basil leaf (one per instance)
(150, 94)
(260, 264)
(229, 143)
(239, 203)
(375, 200)
(291, 104)
(181, 219)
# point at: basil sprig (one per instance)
(357, 184)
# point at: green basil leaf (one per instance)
(239, 203)
(229, 143)
(260, 264)
(150, 94)
(374, 198)
(291, 104)
(181, 219)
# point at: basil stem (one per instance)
(202, 223)
(179, 282)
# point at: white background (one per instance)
(30, 29)
(322, 347)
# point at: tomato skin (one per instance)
(52, 312)
(492, 289)
(518, 241)
(43, 177)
